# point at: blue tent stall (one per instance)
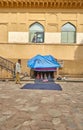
(44, 64)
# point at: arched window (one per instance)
(36, 33)
(68, 33)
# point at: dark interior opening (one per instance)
(42, 74)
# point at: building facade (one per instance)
(31, 27)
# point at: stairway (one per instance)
(7, 66)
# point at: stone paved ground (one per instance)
(22, 109)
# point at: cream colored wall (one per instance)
(23, 37)
(18, 37)
(52, 37)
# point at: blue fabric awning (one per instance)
(40, 61)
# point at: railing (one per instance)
(7, 65)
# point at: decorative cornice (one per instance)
(55, 4)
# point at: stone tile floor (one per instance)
(22, 109)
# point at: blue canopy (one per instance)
(40, 62)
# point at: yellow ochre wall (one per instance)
(70, 54)
(19, 20)
(13, 20)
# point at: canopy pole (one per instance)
(57, 73)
